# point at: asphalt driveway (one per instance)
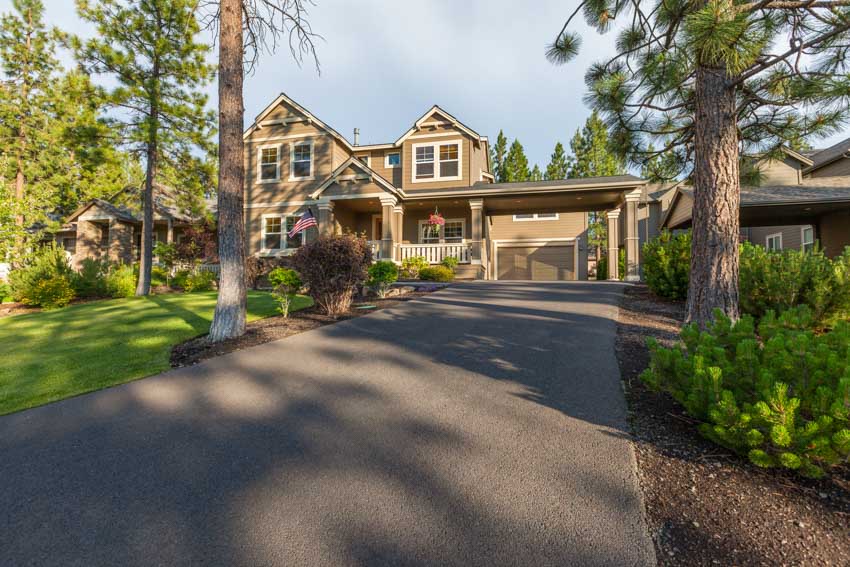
(484, 425)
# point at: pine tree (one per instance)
(149, 49)
(536, 174)
(558, 167)
(592, 154)
(497, 157)
(660, 166)
(515, 167)
(707, 80)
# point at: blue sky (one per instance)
(385, 62)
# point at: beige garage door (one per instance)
(551, 262)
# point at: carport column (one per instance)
(388, 203)
(398, 231)
(476, 207)
(613, 244)
(326, 218)
(632, 239)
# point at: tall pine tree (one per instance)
(515, 167)
(536, 174)
(149, 49)
(558, 166)
(497, 157)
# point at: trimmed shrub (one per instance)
(199, 280)
(382, 275)
(90, 281)
(667, 264)
(286, 284)
(121, 281)
(43, 265)
(333, 267)
(436, 274)
(410, 267)
(776, 281)
(782, 397)
(451, 262)
(5, 291)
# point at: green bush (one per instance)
(200, 280)
(667, 264)
(179, 279)
(286, 283)
(382, 275)
(43, 265)
(781, 397)
(90, 281)
(410, 267)
(451, 262)
(333, 267)
(776, 281)
(121, 281)
(5, 291)
(160, 276)
(602, 266)
(436, 274)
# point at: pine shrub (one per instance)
(29, 282)
(333, 267)
(382, 275)
(436, 274)
(90, 280)
(121, 281)
(667, 264)
(781, 397)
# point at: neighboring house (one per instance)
(801, 199)
(529, 230)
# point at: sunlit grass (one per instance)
(53, 355)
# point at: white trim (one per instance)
(436, 147)
(310, 119)
(368, 157)
(421, 136)
(260, 149)
(442, 237)
(375, 218)
(352, 161)
(280, 121)
(288, 137)
(370, 147)
(283, 238)
(770, 237)
(535, 217)
(534, 242)
(452, 120)
(302, 142)
(484, 174)
(803, 242)
(387, 164)
(312, 201)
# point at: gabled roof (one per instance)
(120, 213)
(451, 119)
(829, 155)
(356, 163)
(797, 156)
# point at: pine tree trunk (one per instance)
(143, 287)
(229, 318)
(22, 129)
(714, 252)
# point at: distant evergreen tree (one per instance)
(558, 166)
(515, 167)
(592, 154)
(497, 156)
(536, 174)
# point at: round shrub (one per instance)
(410, 267)
(451, 262)
(5, 291)
(286, 283)
(44, 264)
(382, 275)
(436, 274)
(667, 264)
(333, 267)
(121, 281)
(53, 293)
(200, 280)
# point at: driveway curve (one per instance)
(483, 425)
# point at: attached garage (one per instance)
(536, 261)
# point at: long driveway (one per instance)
(484, 425)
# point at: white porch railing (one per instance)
(375, 245)
(435, 253)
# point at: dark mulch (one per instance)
(706, 506)
(274, 328)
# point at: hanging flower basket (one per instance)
(435, 221)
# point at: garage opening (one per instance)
(538, 262)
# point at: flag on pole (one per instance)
(306, 221)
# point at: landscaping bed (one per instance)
(705, 505)
(275, 328)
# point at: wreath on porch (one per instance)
(435, 222)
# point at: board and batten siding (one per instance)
(792, 235)
(837, 168)
(834, 233)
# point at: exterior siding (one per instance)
(834, 233)
(410, 228)
(254, 225)
(792, 235)
(836, 168)
(681, 210)
(780, 172)
(568, 225)
(407, 160)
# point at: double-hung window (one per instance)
(808, 238)
(773, 242)
(437, 161)
(301, 160)
(449, 160)
(424, 163)
(452, 231)
(269, 163)
(275, 233)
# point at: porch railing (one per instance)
(436, 253)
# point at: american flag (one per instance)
(306, 221)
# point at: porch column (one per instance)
(632, 239)
(169, 236)
(326, 218)
(614, 244)
(476, 207)
(388, 203)
(398, 231)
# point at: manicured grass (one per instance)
(52, 355)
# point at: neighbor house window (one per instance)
(269, 164)
(364, 159)
(438, 161)
(808, 239)
(301, 166)
(773, 242)
(452, 231)
(69, 244)
(536, 216)
(276, 230)
(393, 160)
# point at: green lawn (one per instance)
(52, 355)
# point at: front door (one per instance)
(377, 229)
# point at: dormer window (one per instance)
(393, 160)
(437, 161)
(449, 160)
(301, 161)
(269, 164)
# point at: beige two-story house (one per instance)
(532, 230)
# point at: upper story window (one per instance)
(301, 161)
(393, 160)
(437, 161)
(269, 164)
(536, 216)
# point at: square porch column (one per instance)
(326, 218)
(476, 207)
(614, 245)
(388, 204)
(398, 231)
(632, 239)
